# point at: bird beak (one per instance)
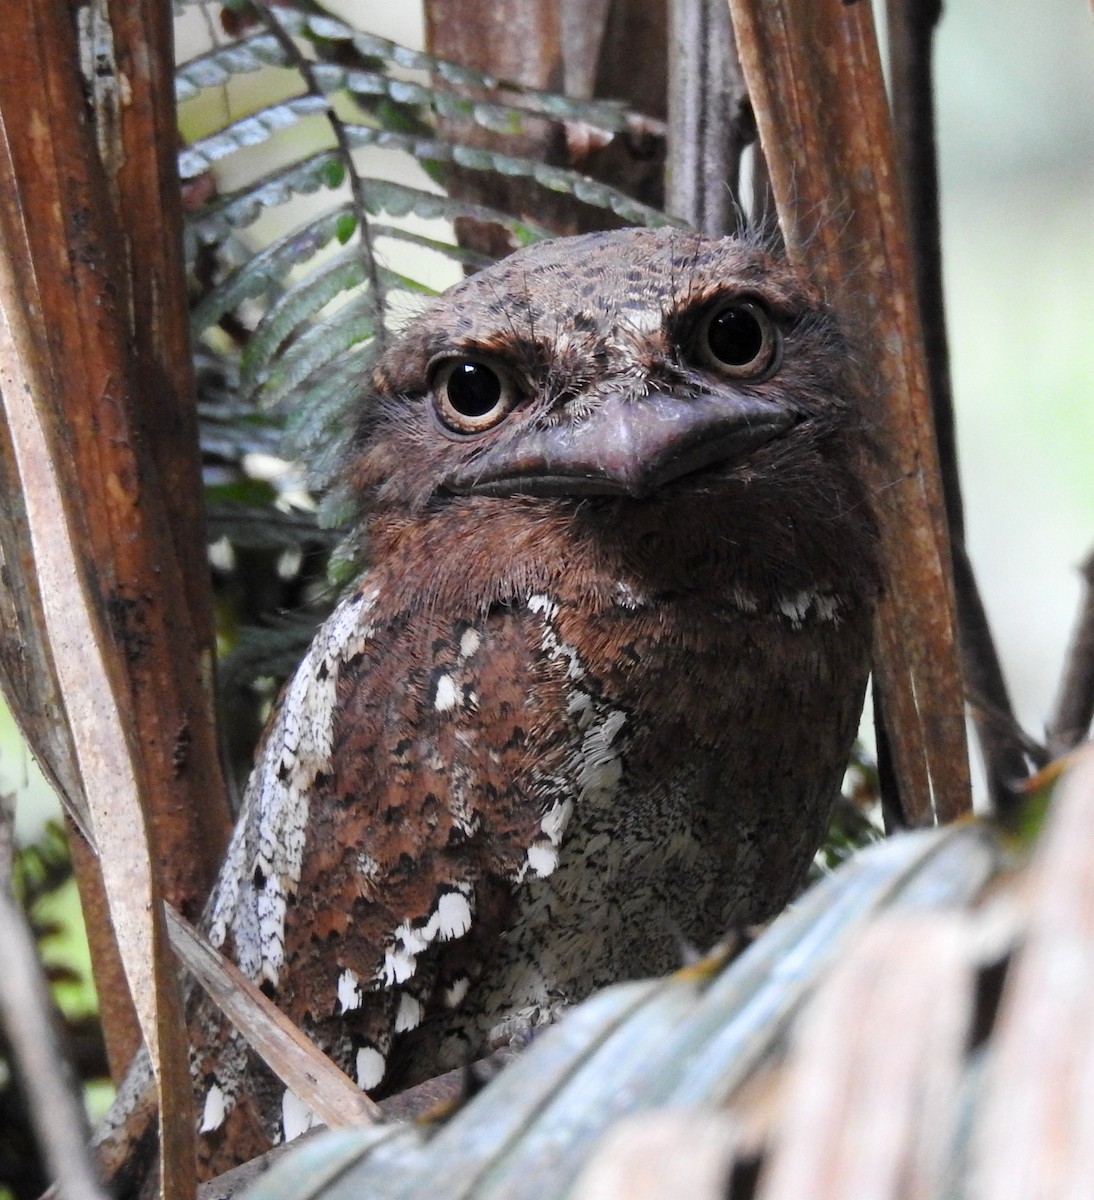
(628, 446)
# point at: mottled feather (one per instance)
(550, 738)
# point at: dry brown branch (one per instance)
(710, 119)
(815, 81)
(307, 1072)
(99, 273)
(911, 39)
(103, 453)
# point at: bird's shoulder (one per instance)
(392, 815)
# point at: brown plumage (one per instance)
(595, 693)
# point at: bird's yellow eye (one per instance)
(471, 395)
(737, 339)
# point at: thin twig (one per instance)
(911, 32)
(1074, 707)
(1004, 746)
(328, 1092)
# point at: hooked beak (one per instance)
(628, 446)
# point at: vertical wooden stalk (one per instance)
(132, 91)
(710, 120)
(100, 439)
(911, 26)
(90, 673)
(126, 54)
(815, 80)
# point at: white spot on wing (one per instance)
(794, 607)
(599, 767)
(469, 643)
(349, 991)
(595, 769)
(822, 606)
(450, 918)
(555, 819)
(366, 866)
(580, 705)
(553, 646)
(542, 859)
(409, 1015)
(452, 996)
(398, 966)
(544, 605)
(215, 1110)
(454, 912)
(446, 694)
(370, 1067)
(296, 1116)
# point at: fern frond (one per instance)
(459, 254)
(600, 114)
(257, 276)
(216, 220)
(353, 323)
(400, 200)
(477, 158)
(227, 437)
(318, 432)
(218, 65)
(304, 301)
(272, 651)
(341, 274)
(200, 156)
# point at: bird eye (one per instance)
(737, 339)
(472, 396)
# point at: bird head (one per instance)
(615, 373)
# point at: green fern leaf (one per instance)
(215, 221)
(400, 200)
(557, 179)
(200, 156)
(272, 651)
(354, 322)
(296, 306)
(319, 426)
(215, 68)
(459, 254)
(265, 269)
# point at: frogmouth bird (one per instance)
(592, 698)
